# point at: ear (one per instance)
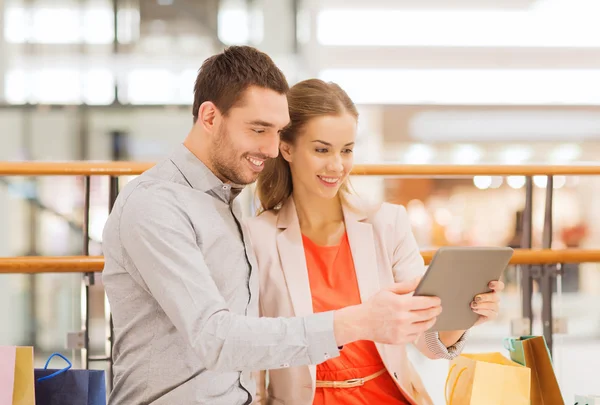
(286, 151)
(209, 116)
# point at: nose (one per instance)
(336, 165)
(270, 147)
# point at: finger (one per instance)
(487, 313)
(425, 314)
(420, 327)
(420, 303)
(487, 297)
(404, 287)
(485, 305)
(496, 285)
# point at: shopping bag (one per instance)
(68, 386)
(532, 351)
(16, 375)
(8, 355)
(487, 378)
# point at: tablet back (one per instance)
(456, 275)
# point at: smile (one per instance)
(329, 181)
(256, 164)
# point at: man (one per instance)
(180, 275)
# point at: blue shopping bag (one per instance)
(68, 386)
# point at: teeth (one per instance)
(256, 162)
(331, 180)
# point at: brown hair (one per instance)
(308, 99)
(224, 77)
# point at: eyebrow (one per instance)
(265, 124)
(261, 123)
(328, 144)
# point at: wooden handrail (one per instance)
(77, 168)
(73, 168)
(91, 264)
(47, 264)
(474, 170)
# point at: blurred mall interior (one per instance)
(457, 82)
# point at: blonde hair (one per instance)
(307, 100)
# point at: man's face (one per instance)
(249, 135)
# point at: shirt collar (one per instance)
(201, 177)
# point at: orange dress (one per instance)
(333, 286)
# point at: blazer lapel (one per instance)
(362, 245)
(293, 260)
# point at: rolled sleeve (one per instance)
(439, 351)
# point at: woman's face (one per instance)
(322, 156)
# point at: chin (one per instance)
(251, 177)
(328, 194)
(243, 179)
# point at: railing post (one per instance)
(88, 278)
(526, 270)
(548, 271)
(112, 197)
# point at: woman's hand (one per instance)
(487, 305)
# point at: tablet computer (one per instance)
(456, 275)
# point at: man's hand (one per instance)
(392, 316)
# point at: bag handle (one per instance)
(449, 400)
(509, 344)
(69, 365)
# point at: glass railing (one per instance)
(550, 287)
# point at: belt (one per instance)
(355, 382)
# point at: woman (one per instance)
(319, 248)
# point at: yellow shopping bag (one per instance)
(487, 379)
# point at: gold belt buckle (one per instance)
(355, 382)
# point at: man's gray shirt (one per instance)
(182, 285)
